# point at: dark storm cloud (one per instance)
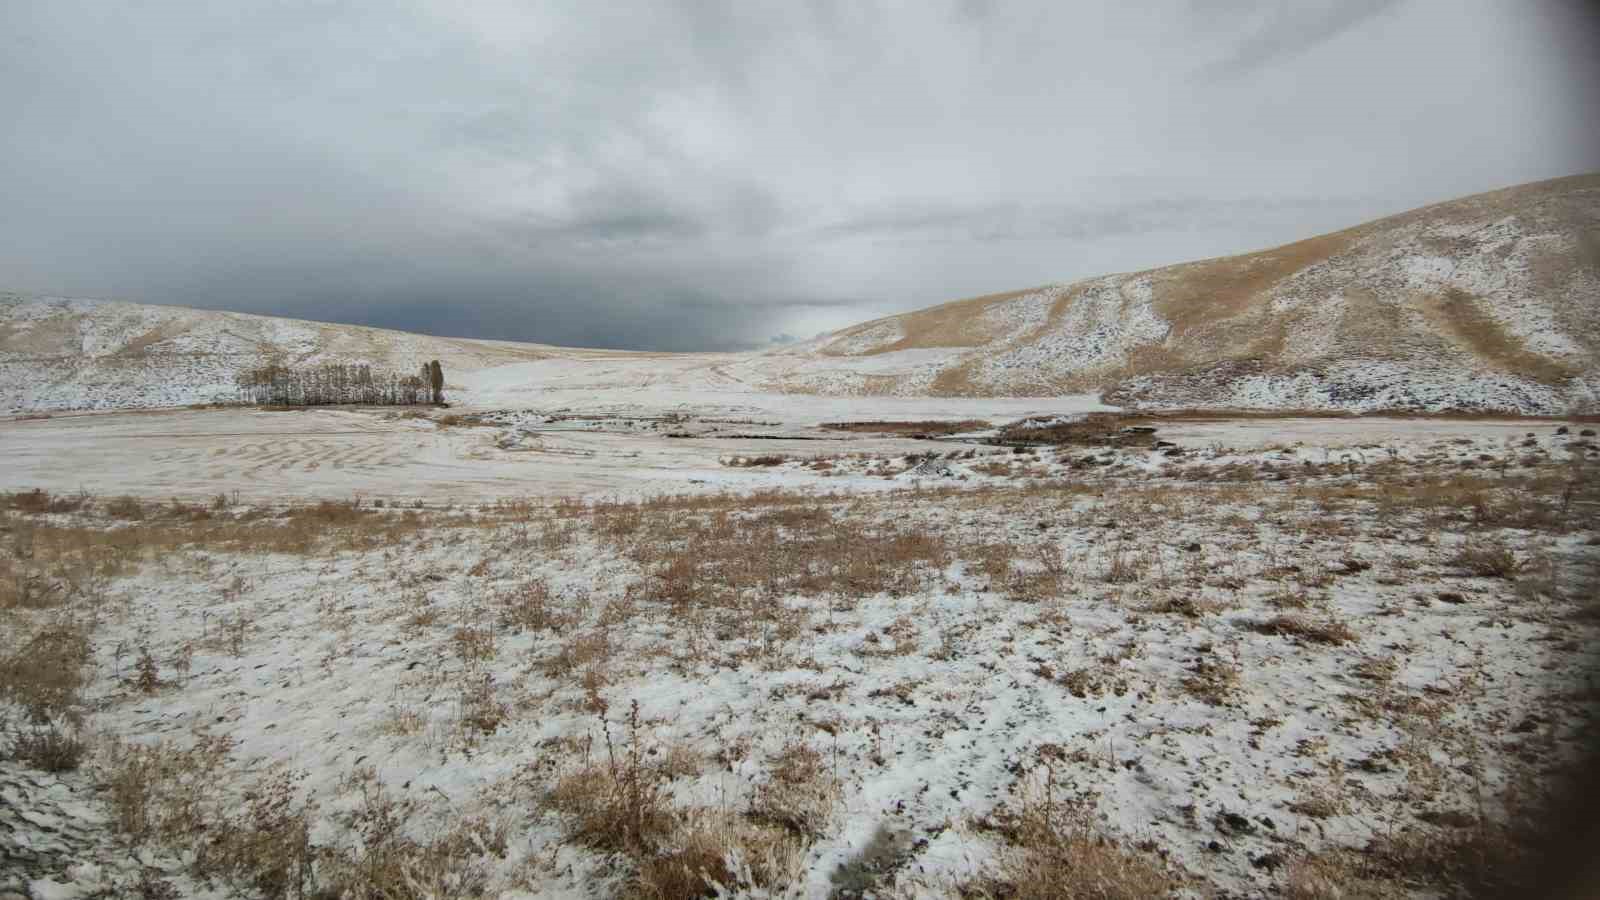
(700, 174)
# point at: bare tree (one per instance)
(279, 385)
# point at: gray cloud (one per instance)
(700, 174)
(931, 221)
(1291, 29)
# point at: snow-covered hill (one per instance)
(1490, 302)
(60, 353)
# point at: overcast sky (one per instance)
(710, 175)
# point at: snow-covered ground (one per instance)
(619, 623)
(620, 449)
(731, 385)
(1240, 658)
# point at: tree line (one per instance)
(333, 383)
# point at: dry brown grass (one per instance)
(22, 588)
(479, 711)
(619, 802)
(947, 325)
(158, 792)
(1334, 875)
(716, 559)
(751, 574)
(1548, 498)
(125, 507)
(1463, 317)
(686, 870)
(1215, 681)
(530, 607)
(996, 468)
(256, 836)
(582, 652)
(1188, 606)
(267, 847)
(923, 428)
(403, 721)
(766, 460)
(474, 645)
(1092, 430)
(49, 748)
(1487, 559)
(1306, 628)
(95, 547)
(800, 793)
(1055, 851)
(46, 672)
(1483, 859)
(39, 501)
(696, 856)
(1198, 297)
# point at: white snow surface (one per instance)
(932, 708)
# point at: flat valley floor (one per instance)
(389, 454)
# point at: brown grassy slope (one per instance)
(1513, 264)
(953, 324)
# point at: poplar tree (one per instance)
(436, 381)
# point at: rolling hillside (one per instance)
(88, 354)
(1490, 302)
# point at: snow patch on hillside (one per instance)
(1105, 321)
(1018, 316)
(867, 340)
(1353, 386)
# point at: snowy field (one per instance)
(617, 451)
(665, 651)
(381, 454)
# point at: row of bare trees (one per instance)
(332, 383)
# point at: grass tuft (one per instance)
(1054, 851)
(1317, 631)
(1487, 559)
